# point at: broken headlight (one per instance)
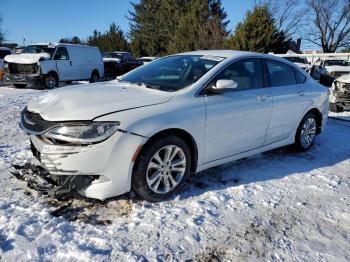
(83, 133)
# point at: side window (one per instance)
(300, 77)
(61, 54)
(280, 74)
(246, 73)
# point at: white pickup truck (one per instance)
(48, 64)
(328, 70)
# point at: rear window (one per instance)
(280, 74)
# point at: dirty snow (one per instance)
(276, 206)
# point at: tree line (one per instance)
(161, 27)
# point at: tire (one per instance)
(333, 107)
(155, 181)
(68, 82)
(51, 81)
(20, 85)
(306, 132)
(95, 77)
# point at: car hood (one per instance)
(338, 68)
(344, 79)
(88, 101)
(26, 58)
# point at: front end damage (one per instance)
(340, 94)
(96, 170)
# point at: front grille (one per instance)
(22, 69)
(34, 123)
(339, 73)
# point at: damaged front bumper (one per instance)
(107, 165)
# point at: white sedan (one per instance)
(160, 123)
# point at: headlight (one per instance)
(83, 133)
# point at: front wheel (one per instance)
(51, 81)
(161, 168)
(306, 133)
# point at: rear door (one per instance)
(237, 120)
(63, 63)
(289, 99)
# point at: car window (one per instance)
(61, 54)
(172, 73)
(301, 78)
(280, 74)
(4, 53)
(246, 73)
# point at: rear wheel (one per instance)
(51, 81)
(95, 77)
(20, 85)
(161, 168)
(306, 133)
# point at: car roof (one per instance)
(231, 54)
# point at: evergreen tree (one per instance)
(203, 27)
(112, 40)
(258, 33)
(160, 27)
(74, 40)
(2, 34)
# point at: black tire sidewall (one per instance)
(93, 75)
(298, 145)
(139, 182)
(50, 75)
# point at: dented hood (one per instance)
(86, 102)
(26, 58)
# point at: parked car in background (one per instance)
(111, 67)
(158, 124)
(339, 97)
(48, 64)
(147, 59)
(329, 69)
(126, 61)
(4, 51)
(299, 61)
(19, 49)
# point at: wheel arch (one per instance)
(54, 73)
(185, 136)
(318, 115)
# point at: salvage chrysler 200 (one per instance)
(153, 127)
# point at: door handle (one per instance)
(301, 93)
(262, 98)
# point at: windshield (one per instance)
(172, 73)
(293, 59)
(336, 63)
(112, 55)
(37, 49)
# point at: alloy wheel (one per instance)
(308, 132)
(50, 82)
(166, 169)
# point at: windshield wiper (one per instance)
(147, 85)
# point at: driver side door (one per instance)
(237, 119)
(63, 64)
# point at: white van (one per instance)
(48, 64)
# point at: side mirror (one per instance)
(224, 84)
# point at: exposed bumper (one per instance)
(31, 80)
(111, 160)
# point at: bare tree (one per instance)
(330, 26)
(2, 33)
(289, 15)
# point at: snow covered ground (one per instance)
(275, 206)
